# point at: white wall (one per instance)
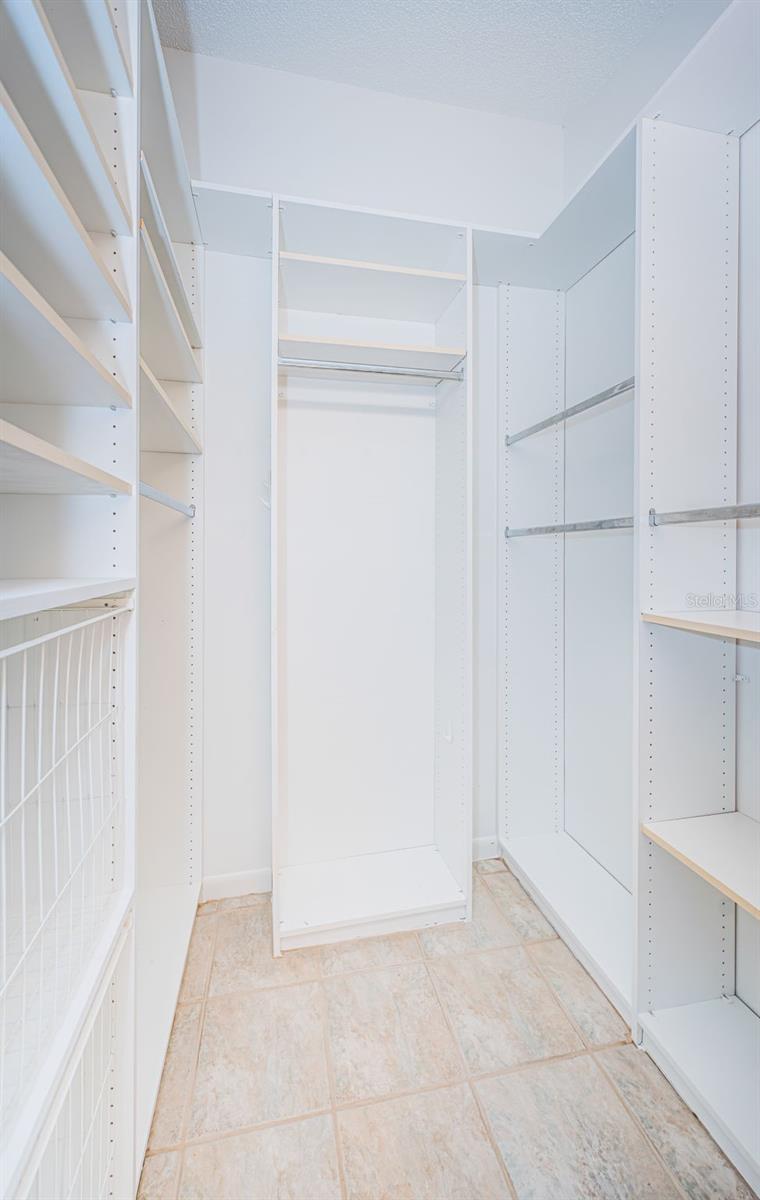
(707, 82)
(274, 131)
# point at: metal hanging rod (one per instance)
(557, 418)
(151, 493)
(369, 369)
(725, 512)
(572, 527)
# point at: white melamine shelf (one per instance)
(150, 210)
(724, 848)
(44, 362)
(29, 465)
(380, 354)
(44, 235)
(350, 897)
(727, 623)
(711, 1053)
(161, 140)
(365, 289)
(20, 597)
(585, 904)
(88, 37)
(163, 340)
(37, 76)
(161, 426)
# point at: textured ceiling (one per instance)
(530, 58)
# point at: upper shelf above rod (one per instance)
(724, 512)
(566, 413)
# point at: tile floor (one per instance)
(467, 1062)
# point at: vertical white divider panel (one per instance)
(279, 817)
(687, 363)
(532, 355)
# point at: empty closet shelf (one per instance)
(365, 289)
(163, 340)
(382, 354)
(19, 597)
(367, 893)
(725, 623)
(158, 233)
(28, 464)
(44, 361)
(162, 427)
(91, 46)
(54, 251)
(723, 848)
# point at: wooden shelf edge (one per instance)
(360, 265)
(28, 443)
(657, 831)
(743, 625)
(22, 597)
(175, 327)
(169, 265)
(165, 399)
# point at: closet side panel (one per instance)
(236, 826)
(748, 539)
(452, 837)
(356, 546)
(531, 351)
(599, 340)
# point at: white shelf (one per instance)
(724, 849)
(161, 140)
(163, 340)
(584, 903)
(711, 1053)
(44, 362)
(29, 465)
(20, 597)
(37, 77)
(729, 623)
(364, 289)
(381, 354)
(91, 45)
(371, 893)
(150, 210)
(161, 426)
(43, 234)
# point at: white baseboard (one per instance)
(222, 887)
(485, 847)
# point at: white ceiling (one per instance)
(530, 58)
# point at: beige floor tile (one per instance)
(564, 1134)
(261, 1058)
(248, 901)
(431, 1146)
(207, 906)
(159, 1177)
(487, 930)
(387, 1033)
(285, 1162)
(177, 1077)
(243, 959)
(487, 866)
(502, 1011)
(364, 953)
(586, 1005)
(684, 1144)
(518, 907)
(199, 954)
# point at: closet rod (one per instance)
(151, 493)
(572, 527)
(369, 369)
(725, 512)
(566, 413)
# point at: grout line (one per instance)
(327, 1046)
(576, 1026)
(492, 1139)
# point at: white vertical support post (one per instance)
(469, 569)
(277, 814)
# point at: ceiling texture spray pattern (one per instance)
(539, 59)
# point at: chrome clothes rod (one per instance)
(151, 493)
(725, 512)
(369, 369)
(573, 411)
(572, 527)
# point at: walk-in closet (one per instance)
(379, 601)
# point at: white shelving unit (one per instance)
(44, 360)
(165, 254)
(165, 344)
(30, 464)
(727, 623)
(94, 44)
(22, 597)
(723, 848)
(339, 869)
(162, 427)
